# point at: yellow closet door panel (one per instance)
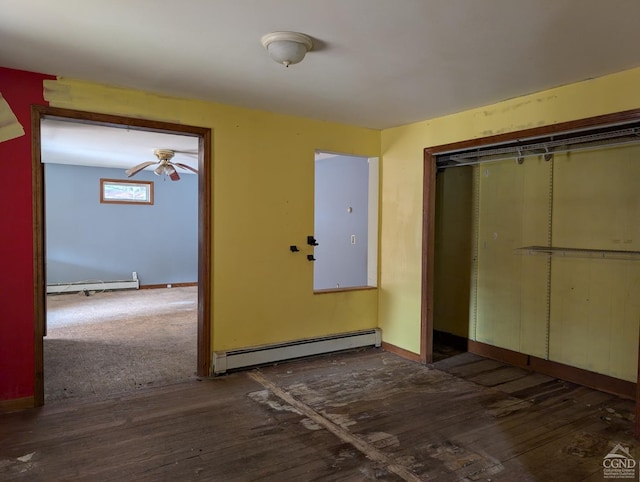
(597, 199)
(595, 306)
(625, 322)
(511, 289)
(595, 303)
(533, 306)
(499, 231)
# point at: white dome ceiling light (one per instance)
(287, 48)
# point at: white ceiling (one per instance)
(65, 142)
(376, 63)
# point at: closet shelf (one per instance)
(580, 252)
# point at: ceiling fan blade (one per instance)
(138, 168)
(184, 166)
(174, 176)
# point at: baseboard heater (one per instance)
(93, 286)
(265, 354)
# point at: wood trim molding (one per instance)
(39, 256)
(205, 222)
(205, 261)
(589, 122)
(148, 184)
(409, 355)
(428, 259)
(341, 290)
(604, 383)
(17, 404)
(637, 426)
(117, 120)
(496, 353)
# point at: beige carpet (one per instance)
(119, 341)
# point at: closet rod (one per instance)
(524, 155)
(547, 148)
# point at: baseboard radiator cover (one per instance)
(265, 354)
(93, 285)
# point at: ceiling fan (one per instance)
(165, 165)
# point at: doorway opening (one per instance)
(198, 298)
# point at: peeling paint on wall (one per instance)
(78, 95)
(10, 127)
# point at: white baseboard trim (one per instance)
(264, 354)
(92, 286)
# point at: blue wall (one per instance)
(87, 240)
(341, 182)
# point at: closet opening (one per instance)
(531, 249)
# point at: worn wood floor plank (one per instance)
(458, 360)
(498, 376)
(499, 423)
(475, 368)
(556, 397)
(520, 384)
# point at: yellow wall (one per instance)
(263, 202)
(263, 181)
(402, 154)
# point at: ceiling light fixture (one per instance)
(287, 48)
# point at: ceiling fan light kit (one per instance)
(165, 165)
(287, 48)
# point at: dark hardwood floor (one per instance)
(366, 415)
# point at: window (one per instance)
(115, 191)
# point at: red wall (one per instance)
(20, 90)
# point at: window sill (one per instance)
(340, 290)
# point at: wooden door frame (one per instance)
(204, 226)
(428, 218)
